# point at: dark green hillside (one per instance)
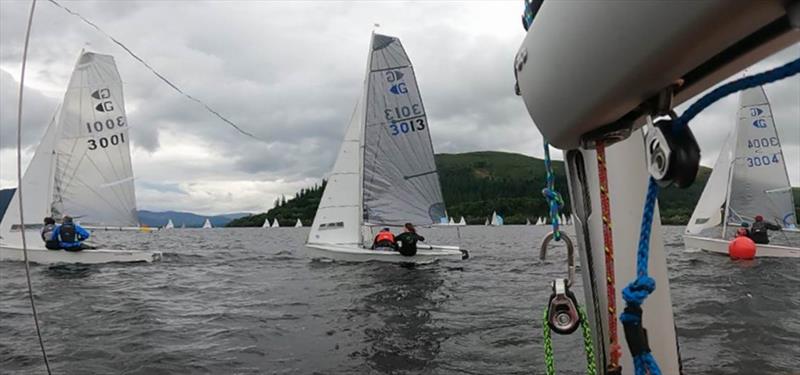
(303, 206)
(476, 183)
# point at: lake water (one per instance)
(248, 301)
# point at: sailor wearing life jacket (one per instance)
(47, 234)
(70, 236)
(384, 240)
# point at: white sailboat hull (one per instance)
(718, 245)
(350, 253)
(45, 256)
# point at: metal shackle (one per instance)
(570, 253)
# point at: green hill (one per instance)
(476, 183)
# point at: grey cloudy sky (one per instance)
(291, 74)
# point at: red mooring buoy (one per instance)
(742, 248)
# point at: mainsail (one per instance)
(400, 183)
(207, 224)
(385, 173)
(169, 225)
(82, 167)
(750, 173)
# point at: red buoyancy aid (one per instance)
(384, 236)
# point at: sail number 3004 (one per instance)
(407, 126)
(759, 161)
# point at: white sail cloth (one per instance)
(82, 167)
(385, 173)
(750, 173)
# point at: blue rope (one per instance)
(777, 74)
(637, 291)
(554, 200)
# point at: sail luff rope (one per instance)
(608, 244)
(19, 187)
(157, 74)
(640, 288)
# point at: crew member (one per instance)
(384, 240)
(408, 240)
(743, 231)
(47, 234)
(758, 231)
(70, 236)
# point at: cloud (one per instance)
(290, 73)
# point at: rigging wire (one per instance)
(19, 188)
(157, 74)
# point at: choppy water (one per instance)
(248, 301)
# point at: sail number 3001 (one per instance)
(104, 142)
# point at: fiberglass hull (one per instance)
(718, 245)
(349, 253)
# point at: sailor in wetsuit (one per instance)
(408, 240)
(758, 231)
(70, 236)
(47, 234)
(384, 240)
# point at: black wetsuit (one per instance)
(758, 231)
(408, 243)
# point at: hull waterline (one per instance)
(720, 246)
(345, 253)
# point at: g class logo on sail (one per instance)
(105, 106)
(760, 123)
(393, 75)
(399, 89)
(756, 112)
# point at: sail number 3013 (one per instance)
(407, 126)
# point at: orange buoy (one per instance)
(742, 248)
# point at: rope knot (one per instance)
(638, 290)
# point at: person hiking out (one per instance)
(408, 240)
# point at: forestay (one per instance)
(400, 183)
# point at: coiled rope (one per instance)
(640, 288)
(19, 187)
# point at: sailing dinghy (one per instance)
(82, 168)
(207, 224)
(266, 223)
(385, 174)
(169, 225)
(497, 220)
(298, 224)
(749, 179)
(275, 223)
